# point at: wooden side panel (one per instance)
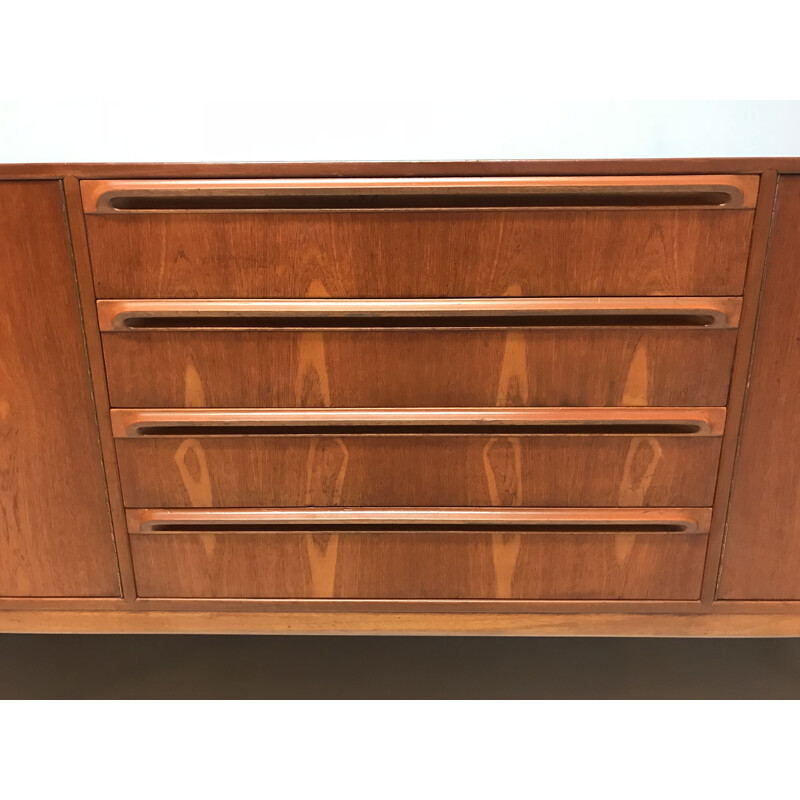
(413, 367)
(761, 557)
(419, 470)
(55, 530)
(421, 254)
(420, 565)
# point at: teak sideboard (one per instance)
(484, 397)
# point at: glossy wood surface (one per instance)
(421, 367)
(417, 565)
(420, 253)
(502, 469)
(761, 556)
(739, 191)
(710, 312)
(55, 530)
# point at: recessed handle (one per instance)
(138, 423)
(383, 194)
(593, 520)
(703, 312)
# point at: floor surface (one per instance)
(103, 666)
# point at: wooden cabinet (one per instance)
(489, 398)
(762, 548)
(55, 528)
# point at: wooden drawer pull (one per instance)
(377, 194)
(132, 315)
(593, 520)
(136, 423)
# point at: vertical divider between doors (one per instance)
(738, 385)
(83, 270)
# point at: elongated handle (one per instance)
(137, 423)
(706, 312)
(598, 520)
(326, 194)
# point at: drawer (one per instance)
(614, 561)
(557, 457)
(539, 237)
(398, 367)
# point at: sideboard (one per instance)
(520, 398)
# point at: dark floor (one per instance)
(394, 667)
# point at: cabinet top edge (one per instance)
(315, 169)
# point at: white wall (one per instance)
(118, 131)
(169, 80)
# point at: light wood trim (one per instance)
(690, 520)
(127, 423)
(351, 605)
(723, 312)
(393, 623)
(99, 194)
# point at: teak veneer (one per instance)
(493, 398)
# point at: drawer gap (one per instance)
(376, 201)
(408, 194)
(640, 429)
(499, 421)
(422, 313)
(356, 527)
(583, 320)
(431, 519)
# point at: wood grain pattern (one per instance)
(192, 465)
(410, 368)
(711, 312)
(421, 254)
(55, 530)
(419, 470)
(739, 190)
(419, 565)
(761, 557)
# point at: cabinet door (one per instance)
(55, 530)
(761, 559)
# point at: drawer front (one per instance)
(420, 367)
(405, 302)
(502, 469)
(423, 565)
(593, 237)
(420, 254)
